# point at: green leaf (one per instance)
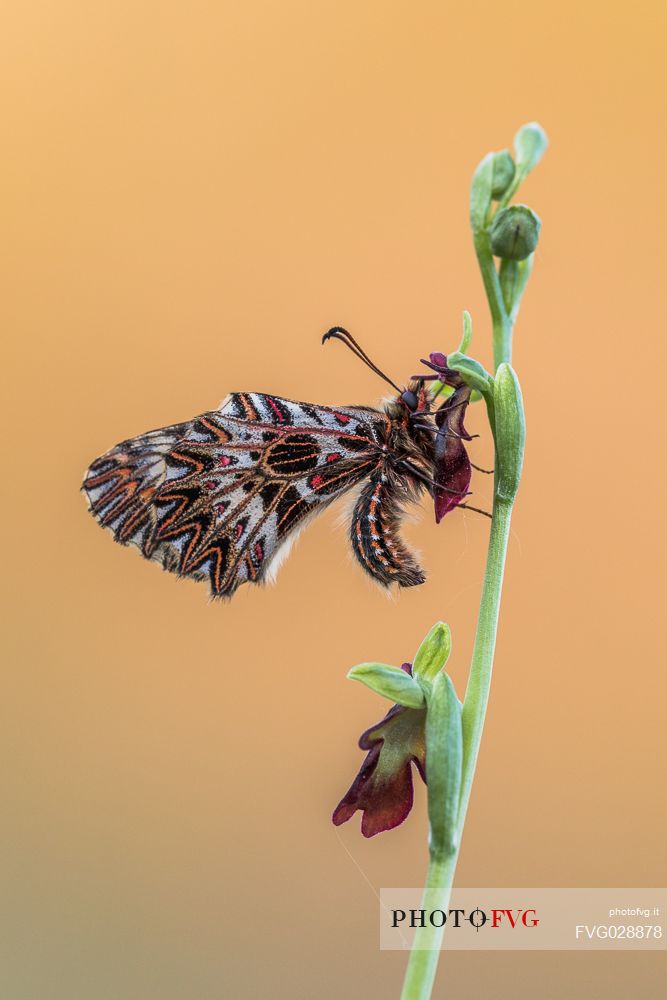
(473, 373)
(467, 333)
(510, 432)
(481, 192)
(390, 682)
(444, 763)
(433, 653)
(530, 144)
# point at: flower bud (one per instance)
(503, 173)
(514, 232)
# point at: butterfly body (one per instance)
(220, 497)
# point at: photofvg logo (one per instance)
(457, 918)
(524, 919)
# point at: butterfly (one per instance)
(221, 497)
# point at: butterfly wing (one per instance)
(219, 496)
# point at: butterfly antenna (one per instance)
(338, 333)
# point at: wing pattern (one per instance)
(219, 496)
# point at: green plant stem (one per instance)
(479, 679)
(423, 963)
(503, 325)
(425, 953)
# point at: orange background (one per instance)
(191, 195)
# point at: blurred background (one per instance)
(191, 195)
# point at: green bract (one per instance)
(444, 762)
(530, 144)
(473, 373)
(481, 192)
(466, 336)
(433, 653)
(390, 682)
(510, 432)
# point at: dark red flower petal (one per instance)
(438, 360)
(452, 469)
(383, 787)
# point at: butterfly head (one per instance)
(450, 469)
(416, 398)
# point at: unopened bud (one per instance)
(515, 232)
(503, 173)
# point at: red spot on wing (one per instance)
(342, 418)
(210, 484)
(240, 527)
(334, 456)
(275, 409)
(316, 481)
(224, 460)
(259, 552)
